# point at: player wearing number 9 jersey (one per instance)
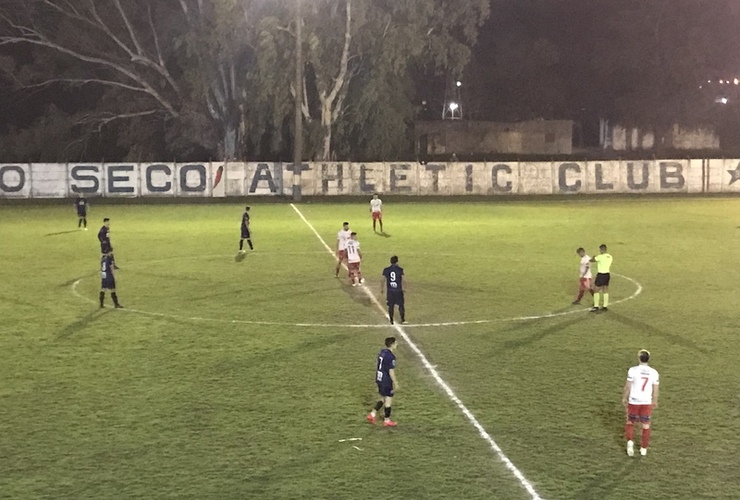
(393, 284)
(640, 396)
(385, 378)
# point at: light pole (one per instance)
(298, 84)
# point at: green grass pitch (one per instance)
(192, 398)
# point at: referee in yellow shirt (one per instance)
(601, 284)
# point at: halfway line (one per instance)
(440, 381)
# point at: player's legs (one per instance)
(629, 433)
(102, 297)
(388, 403)
(645, 441)
(79, 221)
(375, 221)
(380, 221)
(605, 291)
(581, 290)
(391, 310)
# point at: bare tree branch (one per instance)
(104, 119)
(155, 35)
(130, 28)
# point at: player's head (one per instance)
(246, 209)
(643, 355)
(394, 259)
(353, 235)
(345, 225)
(390, 342)
(106, 222)
(375, 196)
(602, 248)
(581, 252)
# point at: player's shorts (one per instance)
(585, 283)
(353, 267)
(385, 389)
(377, 215)
(602, 279)
(639, 412)
(106, 247)
(81, 213)
(245, 233)
(342, 255)
(395, 298)
(108, 284)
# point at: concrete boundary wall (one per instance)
(59, 180)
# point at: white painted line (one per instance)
(442, 384)
(350, 439)
(356, 448)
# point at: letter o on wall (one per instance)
(21, 179)
(201, 169)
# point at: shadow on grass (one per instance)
(650, 330)
(605, 483)
(383, 234)
(240, 257)
(611, 414)
(62, 232)
(542, 334)
(357, 294)
(81, 323)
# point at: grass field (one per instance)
(185, 395)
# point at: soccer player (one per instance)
(603, 266)
(108, 280)
(640, 397)
(393, 283)
(342, 238)
(104, 237)
(246, 235)
(584, 282)
(385, 378)
(354, 257)
(81, 206)
(376, 209)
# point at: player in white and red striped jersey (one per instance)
(640, 397)
(376, 209)
(584, 275)
(342, 239)
(354, 257)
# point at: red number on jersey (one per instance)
(644, 384)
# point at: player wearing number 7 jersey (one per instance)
(640, 397)
(385, 378)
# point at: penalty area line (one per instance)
(437, 377)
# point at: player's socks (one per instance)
(402, 312)
(388, 412)
(241, 245)
(643, 451)
(596, 299)
(580, 296)
(390, 313)
(250, 244)
(606, 300)
(629, 431)
(645, 438)
(102, 299)
(115, 299)
(377, 407)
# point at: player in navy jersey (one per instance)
(81, 206)
(393, 284)
(104, 238)
(108, 280)
(385, 378)
(246, 235)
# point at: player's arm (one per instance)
(593, 259)
(585, 271)
(392, 373)
(656, 390)
(382, 285)
(626, 392)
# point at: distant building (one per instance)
(546, 137)
(621, 138)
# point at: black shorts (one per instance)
(385, 389)
(81, 214)
(602, 279)
(106, 248)
(245, 233)
(395, 298)
(108, 284)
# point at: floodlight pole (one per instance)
(298, 84)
